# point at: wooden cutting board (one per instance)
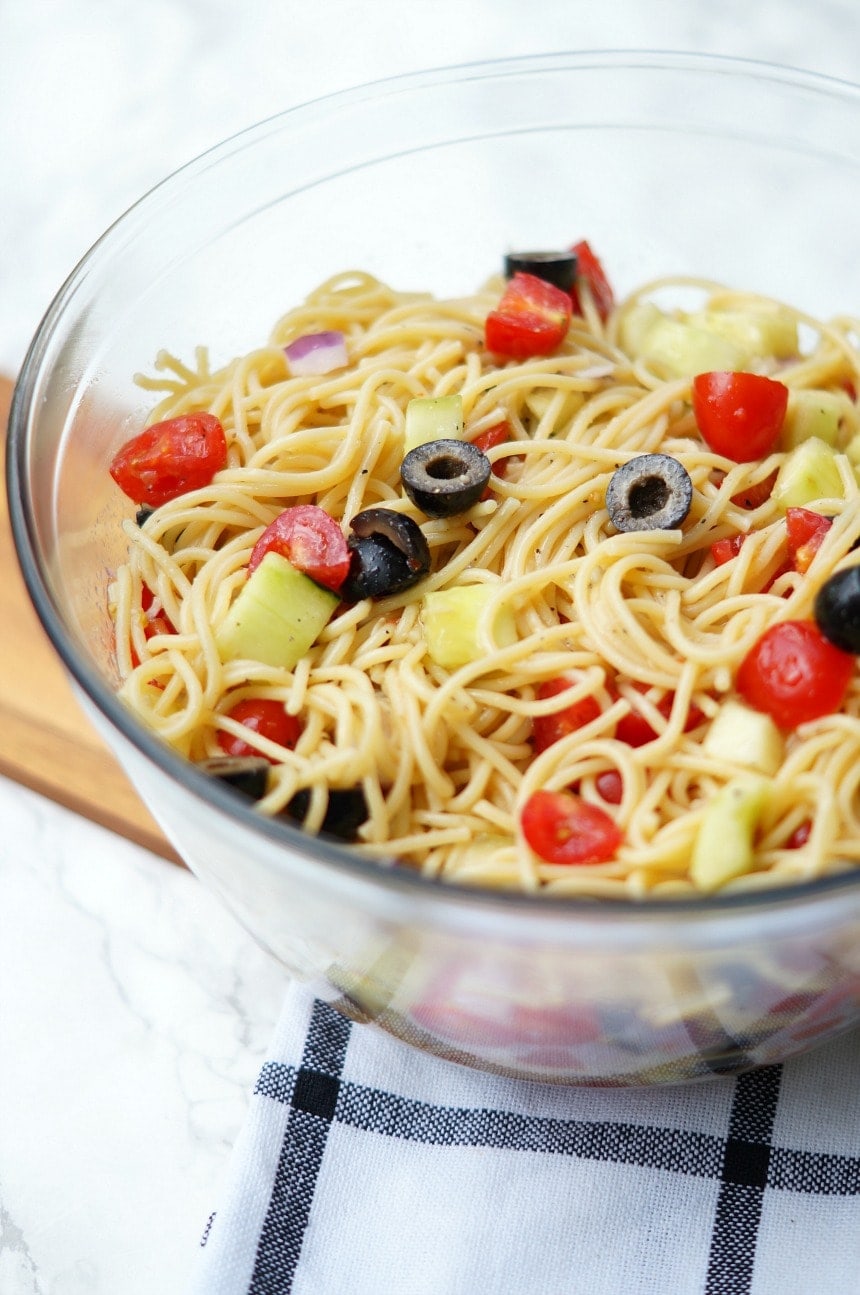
(46, 743)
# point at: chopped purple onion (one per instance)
(317, 353)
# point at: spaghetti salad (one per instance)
(502, 588)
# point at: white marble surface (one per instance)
(133, 1011)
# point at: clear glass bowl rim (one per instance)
(428, 894)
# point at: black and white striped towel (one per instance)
(368, 1168)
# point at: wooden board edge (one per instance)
(82, 777)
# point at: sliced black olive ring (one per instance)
(388, 553)
(444, 478)
(652, 492)
(837, 609)
(557, 268)
(345, 812)
(248, 774)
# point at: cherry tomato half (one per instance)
(309, 538)
(793, 674)
(727, 548)
(610, 786)
(562, 828)
(739, 415)
(754, 496)
(800, 835)
(591, 272)
(550, 728)
(498, 434)
(170, 458)
(155, 621)
(635, 730)
(265, 716)
(806, 530)
(532, 318)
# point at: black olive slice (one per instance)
(246, 773)
(558, 268)
(344, 815)
(404, 533)
(376, 569)
(652, 492)
(388, 553)
(444, 478)
(837, 609)
(143, 515)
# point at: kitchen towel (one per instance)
(368, 1168)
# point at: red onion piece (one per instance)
(317, 353)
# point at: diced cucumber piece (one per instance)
(537, 403)
(813, 413)
(636, 324)
(744, 736)
(679, 346)
(723, 847)
(852, 451)
(809, 472)
(433, 418)
(677, 349)
(757, 332)
(276, 617)
(451, 620)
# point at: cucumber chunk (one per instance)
(814, 413)
(677, 349)
(276, 617)
(741, 735)
(809, 472)
(681, 345)
(723, 848)
(757, 332)
(432, 418)
(452, 618)
(538, 403)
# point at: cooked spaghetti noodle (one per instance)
(445, 757)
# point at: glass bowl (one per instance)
(744, 173)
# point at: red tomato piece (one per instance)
(727, 548)
(498, 434)
(739, 415)
(562, 828)
(590, 271)
(310, 539)
(265, 716)
(154, 622)
(793, 674)
(170, 458)
(755, 496)
(558, 724)
(532, 318)
(695, 716)
(610, 786)
(634, 729)
(780, 571)
(806, 530)
(800, 835)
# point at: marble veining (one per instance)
(134, 1014)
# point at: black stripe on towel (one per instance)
(742, 1159)
(312, 1091)
(745, 1174)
